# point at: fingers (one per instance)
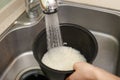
(78, 65)
(83, 71)
(74, 76)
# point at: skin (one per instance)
(85, 71)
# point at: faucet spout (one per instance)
(49, 6)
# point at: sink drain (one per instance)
(35, 74)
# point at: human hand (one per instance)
(83, 71)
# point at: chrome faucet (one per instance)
(32, 8)
(49, 6)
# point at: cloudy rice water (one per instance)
(62, 58)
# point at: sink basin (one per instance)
(104, 26)
(16, 54)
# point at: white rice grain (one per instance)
(62, 58)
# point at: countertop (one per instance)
(15, 8)
(10, 13)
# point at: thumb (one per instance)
(78, 65)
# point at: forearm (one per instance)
(103, 75)
(85, 71)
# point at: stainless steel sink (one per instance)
(16, 55)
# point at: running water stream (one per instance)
(53, 32)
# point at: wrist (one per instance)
(101, 74)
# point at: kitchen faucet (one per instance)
(49, 6)
(33, 7)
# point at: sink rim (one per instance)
(91, 7)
